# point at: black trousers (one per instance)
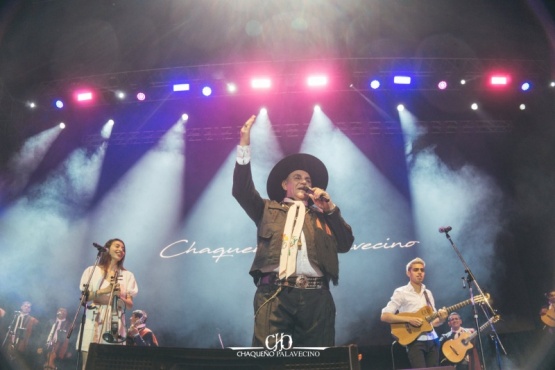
(306, 315)
(423, 353)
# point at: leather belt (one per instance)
(299, 281)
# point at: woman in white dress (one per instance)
(111, 286)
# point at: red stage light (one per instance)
(82, 96)
(499, 80)
(261, 83)
(317, 80)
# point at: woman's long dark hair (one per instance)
(105, 259)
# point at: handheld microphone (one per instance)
(445, 229)
(99, 247)
(311, 191)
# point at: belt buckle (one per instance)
(301, 282)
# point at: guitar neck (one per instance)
(449, 309)
(483, 327)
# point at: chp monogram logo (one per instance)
(278, 345)
(280, 342)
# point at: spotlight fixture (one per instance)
(83, 96)
(442, 85)
(401, 80)
(141, 96)
(231, 87)
(400, 107)
(261, 83)
(374, 84)
(206, 91)
(181, 87)
(499, 80)
(59, 104)
(317, 81)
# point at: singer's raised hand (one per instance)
(246, 131)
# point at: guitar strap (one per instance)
(428, 299)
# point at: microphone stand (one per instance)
(83, 303)
(10, 332)
(472, 281)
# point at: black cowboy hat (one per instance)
(300, 161)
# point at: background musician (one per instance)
(138, 334)
(424, 351)
(20, 341)
(57, 342)
(471, 360)
(547, 313)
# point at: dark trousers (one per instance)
(423, 353)
(307, 315)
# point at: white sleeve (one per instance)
(243, 154)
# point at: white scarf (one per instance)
(291, 239)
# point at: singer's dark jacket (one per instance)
(325, 234)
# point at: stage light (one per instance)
(317, 108)
(401, 80)
(31, 104)
(141, 96)
(181, 87)
(400, 107)
(474, 106)
(59, 104)
(499, 80)
(206, 91)
(525, 86)
(184, 117)
(463, 82)
(317, 81)
(374, 84)
(263, 111)
(522, 106)
(62, 125)
(442, 85)
(261, 83)
(552, 84)
(84, 96)
(231, 87)
(110, 122)
(120, 95)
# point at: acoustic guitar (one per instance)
(407, 333)
(549, 317)
(455, 349)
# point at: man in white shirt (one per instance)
(424, 351)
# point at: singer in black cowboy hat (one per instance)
(299, 233)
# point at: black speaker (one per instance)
(433, 368)
(109, 357)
